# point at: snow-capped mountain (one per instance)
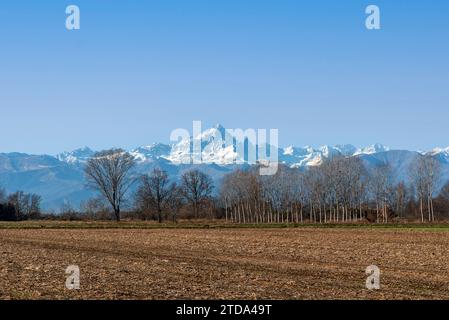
(80, 155)
(308, 156)
(151, 152)
(60, 179)
(213, 149)
(441, 153)
(375, 148)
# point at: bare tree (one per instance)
(27, 205)
(155, 191)
(68, 212)
(20, 202)
(175, 202)
(109, 172)
(337, 190)
(400, 198)
(96, 208)
(248, 197)
(35, 206)
(425, 174)
(381, 189)
(197, 188)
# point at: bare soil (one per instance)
(297, 263)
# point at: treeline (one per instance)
(19, 206)
(341, 189)
(109, 172)
(157, 198)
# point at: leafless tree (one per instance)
(341, 189)
(249, 197)
(381, 188)
(35, 206)
(337, 190)
(196, 188)
(27, 205)
(175, 202)
(424, 174)
(109, 172)
(401, 198)
(68, 212)
(228, 196)
(96, 208)
(155, 191)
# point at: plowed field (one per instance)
(297, 263)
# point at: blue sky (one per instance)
(309, 68)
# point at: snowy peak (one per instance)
(76, 156)
(141, 154)
(375, 148)
(346, 149)
(151, 152)
(306, 156)
(215, 151)
(309, 156)
(438, 150)
(328, 151)
(295, 151)
(441, 153)
(213, 148)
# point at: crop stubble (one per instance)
(302, 263)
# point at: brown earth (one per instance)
(303, 263)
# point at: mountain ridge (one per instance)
(59, 179)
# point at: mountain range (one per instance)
(60, 179)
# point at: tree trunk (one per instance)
(117, 213)
(421, 209)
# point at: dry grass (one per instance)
(294, 263)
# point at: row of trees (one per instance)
(339, 190)
(19, 206)
(109, 172)
(157, 194)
